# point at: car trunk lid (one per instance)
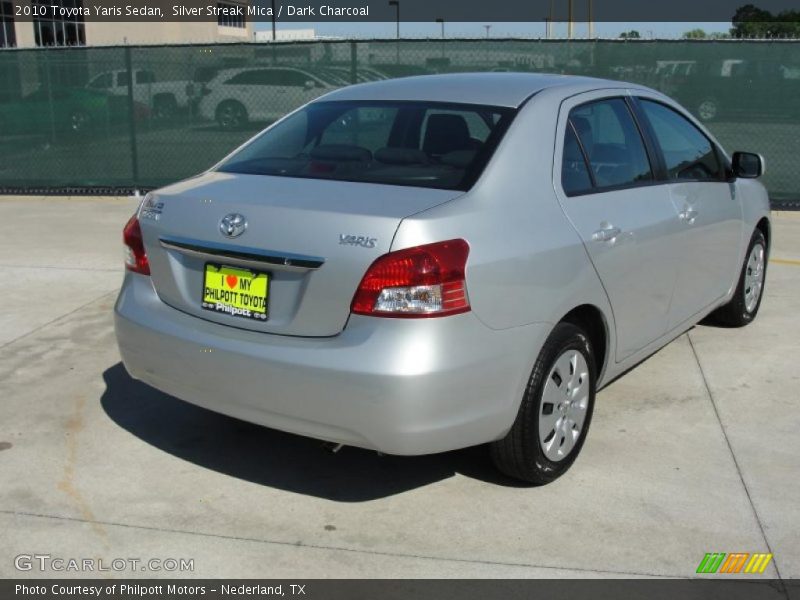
(314, 239)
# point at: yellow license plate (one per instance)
(237, 292)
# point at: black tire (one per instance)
(79, 121)
(520, 453)
(164, 107)
(231, 114)
(708, 110)
(735, 313)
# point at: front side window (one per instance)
(612, 143)
(687, 152)
(423, 144)
(102, 82)
(255, 77)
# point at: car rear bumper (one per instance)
(400, 386)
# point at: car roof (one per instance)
(257, 67)
(491, 89)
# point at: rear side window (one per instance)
(612, 143)
(423, 144)
(688, 153)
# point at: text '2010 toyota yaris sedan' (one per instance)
(430, 263)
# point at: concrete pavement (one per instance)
(694, 451)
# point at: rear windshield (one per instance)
(422, 144)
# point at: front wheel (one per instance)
(78, 121)
(556, 410)
(746, 301)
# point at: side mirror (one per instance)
(747, 165)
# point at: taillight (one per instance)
(135, 256)
(424, 281)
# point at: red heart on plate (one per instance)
(231, 280)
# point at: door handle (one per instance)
(606, 233)
(689, 214)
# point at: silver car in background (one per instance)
(424, 264)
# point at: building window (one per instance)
(230, 14)
(57, 31)
(8, 36)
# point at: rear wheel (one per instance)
(555, 413)
(164, 107)
(231, 114)
(708, 109)
(746, 301)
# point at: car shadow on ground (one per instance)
(273, 458)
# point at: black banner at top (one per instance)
(403, 10)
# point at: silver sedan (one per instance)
(429, 263)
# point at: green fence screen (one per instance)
(143, 116)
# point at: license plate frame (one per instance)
(241, 302)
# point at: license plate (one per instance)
(236, 292)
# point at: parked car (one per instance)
(761, 89)
(424, 264)
(59, 110)
(164, 98)
(237, 96)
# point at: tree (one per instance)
(751, 21)
(630, 35)
(695, 34)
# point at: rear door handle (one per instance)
(606, 233)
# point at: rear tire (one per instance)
(165, 107)
(556, 410)
(231, 114)
(746, 301)
(708, 110)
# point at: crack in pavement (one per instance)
(56, 320)
(735, 460)
(299, 544)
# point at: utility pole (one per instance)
(396, 4)
(274, 36)
(441, 22)
(487, 28)
(570, 23)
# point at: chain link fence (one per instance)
(138, 117)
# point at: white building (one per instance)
(80, 31)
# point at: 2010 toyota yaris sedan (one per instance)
(430, 263)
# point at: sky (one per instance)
(473, 30)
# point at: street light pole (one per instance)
(441, 22)
(570, 17)
(487, 28)
(273, 21)
(396, 4)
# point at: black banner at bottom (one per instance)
(314, 589)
